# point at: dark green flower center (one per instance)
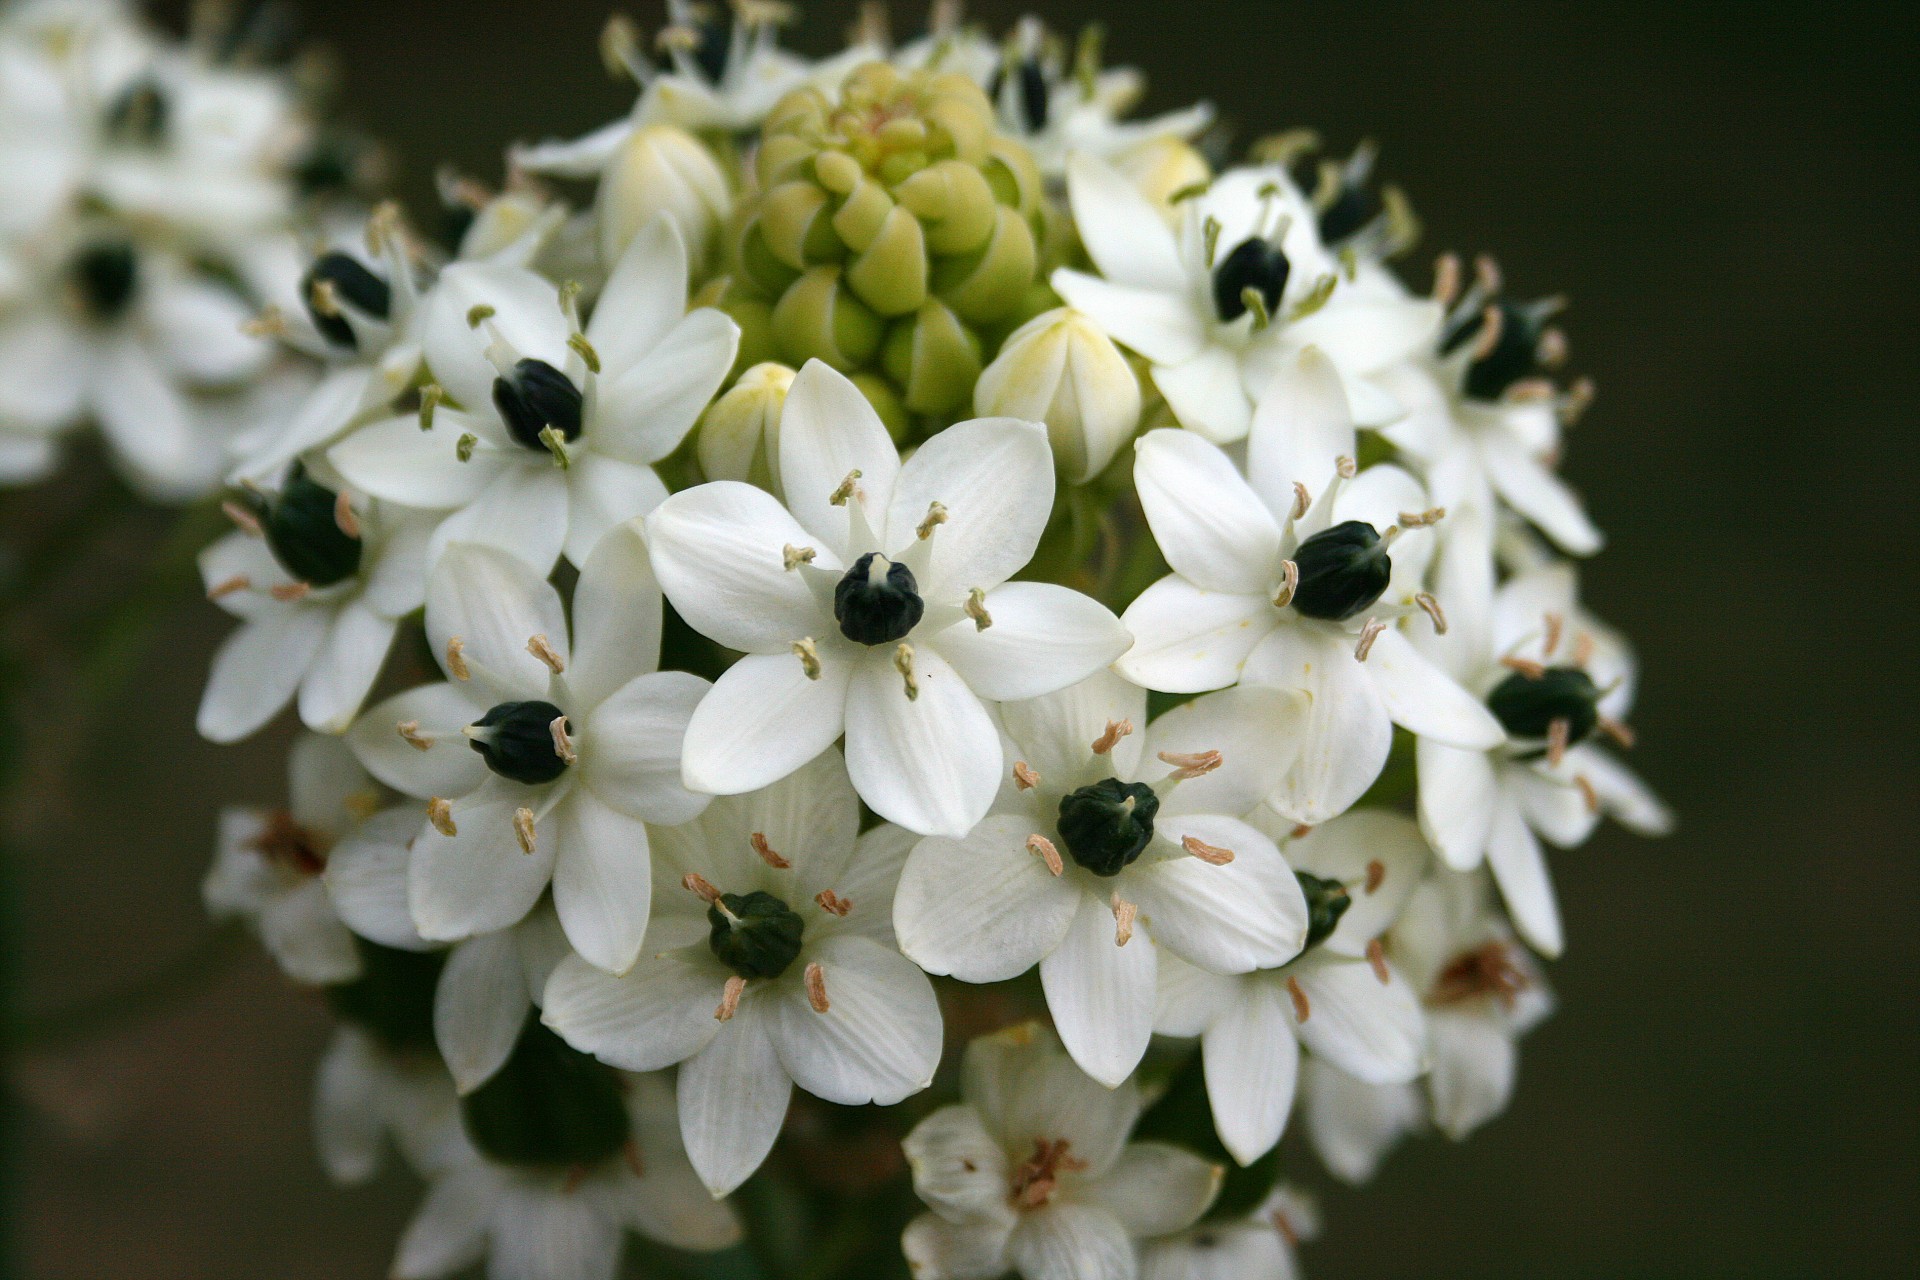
(302, 528)
(550, 1105)
(1514, 355)
(1526, 706)
(1107, 824)
(536, 396)
(392, 999)
(877, 601)
(1030, 89)
(1342, 571)
(339, 277)
(105, 275)
(516, 740)
(138, 117)
(755, 934)
(1254, 264)
(1327, 901)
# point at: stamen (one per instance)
(1492, 322)
(343, 517)
(1582, 649)
(562, 744)
(1210, 234)
(1446, 279)
(1191, 764)
(1124, 914)
(1368, 634)
(1346, 467)
(1622, 735)
(243, 519)
(238, 582)
(1376, 875)
(1317, 296)
(323, 298)
(1256, 303)
(290, 592)
(1302, 499)
(410, 734)
(1422, 519)
(1284, 1225)
(440, 814)
(432, 396)
(463, 447)
(903, 663)
(1551, 351)
(816, 980)
(523, 828)
(1377, 957)
(584, 349)
(1042, 846)
(1433, 610)
(1302, 1010)
(478, 315)
(1587, 793)
(832, 903)
(936, 516)
(541, 649)
(1558, 731)
(556, 442)
(700, 887)
(809, 657)
(457, 658)
(1578, 400)
(270, 323)
(976, 608)
(1024, 778)
(1211, 854)
(1111, 735)
(760, 846)
(793, 557)
(730, 998)
(1300, 829)
(1486, 272)
(1525, 666)
(839, 496)
(1290, 583)
(1555, 625)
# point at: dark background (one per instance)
(1728, 196)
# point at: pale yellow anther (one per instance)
(700, 887)
(1024, 778)
(976, 608)
(1376, 876)
(903, 663)
(1124, 914)
(243, 519)
(846, 490)
(584, 349)
(1555, 625)
(409, 731)
(1191, 764)
(463, 447)
(1289, 583)
(1043, 848)
(556, 443)
(1446, 279)
(1368, 634)
(1302, 1010)
(1302, 499)
(1211, 854)
(730, 998)
(1377, 957)
(290, 592)
(1110, 736)
(562, 743)
(440, 814)
(343, 516)
(1578, 400)
(809, 657)
(832, 903)
(767, 855)
(323, 298)
(936, 516)
(523, 828)
(816, 983)
(227, 586)
(1431, 607)
(539, 647)
(1422, 519)
(1346, 467)
(271, 322)
(457, 659)
(792, 557)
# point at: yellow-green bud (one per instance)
(740, 432)
(662, 169)
(1060, 369)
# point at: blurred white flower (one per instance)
(1259, 1246)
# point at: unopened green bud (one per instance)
(933, 358)
(740, 432)
(662, 169)
(1060, 369)
(818, 319)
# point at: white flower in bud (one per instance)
(740, 434)
(661, 169)
(1060, 369)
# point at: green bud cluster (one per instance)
(895, 235)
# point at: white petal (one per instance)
(1212, 528)
(1160, 326)
(1155, 1188)
(345, 668)
(1124, 234)
(1101, 994)
(538, 1235)
(660, 1013)
(1055, 733)
(601, 493)
(1371, 1031)
(1361, 336)
(630, 750)
(644, 412)
(1552, 803)
(1042, 638)
(1188, 999)
(366, 877)
(869, 879)
(878, 1041)
(1251, 1061)
(395, 460)
(994, 476)
(983, 908)
(616, 617)
(449, 767)
(719, 551)
(828, 430)
(1301, 427)
(1025, 1086)
(1474, 1064)
(1255, 729)
(644, 298)
(602, 880)
(941, 1250)
(1072, 1242)
(1425, 699)
(449, 1233)
(201, 332)
(1520, 866)
(494, 603)
(1348, 731)
(524, 511)
(526, 314)
(1186, 640)
(147, 420)
(1622, 794)
(668, 1203)
(348, 1127)
(1457, 798)
(256, 670)
(733, 1097)
(1205, 393)
(930, 763)
(1533, 490)
(959, 1169)
(302, 933)
(396, 583)
(480, 879)
(1247, 914)
(1353, 1125)
(1379, 855)
(764, 719)
(480, 1007)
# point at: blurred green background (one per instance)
(1730, 1089)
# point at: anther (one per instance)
(1582, 649)
(562, 744)
(730, 998)
(457, 659)
(478, 315)
(1044, 849)
(809, 658)
(1302, 499)
(1551, 351)
(767, 855)
(290, 592)
(1289, 583)
(976, 608)
(1191, 764)
(463, 447)
(1211, 854)
(227, 586)
(1587, 794)
(555, 441)
(1578, 400)
(1377, 957)
(700, 887)
(440, 814)
(1431, 607)
(1492, 324)
(1302, 1010)
(816, 980)
(409, 731)
(584, 349)
(1024, 778)
(343, 517)
(1124, 914)
(936, 516)
(1368, 634)
(1557, 734)
(1555, 624)
(1346, 467)
(793, 557)
(832, 903)
(1622, 735)
(1525, 666)
(1486, 273)
(903, 663)
(1422, 519)
(1111, 735)
(1446, 279)
(1300, 829)
(1376, 875)
(839, 496)
(539, 647)
(243, 519)
(523, 828)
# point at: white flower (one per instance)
(319, 581)
(1033, 1172)
(1060, 369)
(1232, 298)
(1540, 661)
(268, 865)
(1340, 997)
(875, 603)
(366, 1095)
(1272, 584)
(1353, 1124)
(769, 962)
(542, 760)
(552, 1201)
(551, 434)
(1104, 849)
(1257, 1247)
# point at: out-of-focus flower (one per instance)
(1259, 1246)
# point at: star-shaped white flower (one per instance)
(1275, 584)
(1108, 846)
(1340, 997)
(367, 1095)
(541, 761)
(875, 603)
(1233, 297)
(769, 963)
(549, 433)
(1032, 1171)
(1259, 1246)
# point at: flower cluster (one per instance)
(916, 550)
